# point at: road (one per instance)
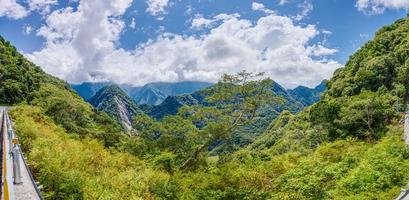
(27, 188)
(404, 195)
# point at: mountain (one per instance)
(308, 96)
(249, 133)
(87, 89)
(151, 93)
(147, 95)
(116, 103)
(170, 106)
(156, 93)
(293, 101)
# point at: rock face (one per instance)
(116, 103)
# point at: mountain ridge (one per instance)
(151, 93)
(115, 102)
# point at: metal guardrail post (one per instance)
(16, 163)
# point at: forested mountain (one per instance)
(292, 101)
(87, 90)
(156, 93)
(346, 146)
(170, 106)
(308, 96)
(116, 103)
(151, 93)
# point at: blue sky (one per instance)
(296, 42)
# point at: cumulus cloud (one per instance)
(373, 7)
(157, 8)
(260, 7)
(79, 40)
(82, 46)
(13, 10)
(42, 6)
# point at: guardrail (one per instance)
(14, 184)
(7, 178)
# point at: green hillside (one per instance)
(346, 146)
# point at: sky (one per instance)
(295, 42)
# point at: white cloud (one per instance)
(27, 29)
(282, 2)
(260, 7)
(12, 9)
(79, 40)
(132, 25)
(82, 46)
(306, 8)
(319, 50)
(200, 22)
(42, 6)
(373, 7)
(157, 8)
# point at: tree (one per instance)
(366, 114)
(235, 100)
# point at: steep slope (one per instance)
(22, 81)
(83, 162)
(116, 103)
(86, 90)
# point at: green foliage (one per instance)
(380, 62)
(80, 169)
(22, 81)
(76, 116)
(191, 133)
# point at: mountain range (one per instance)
(152, 93)
(113, 100)
(295, 100)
